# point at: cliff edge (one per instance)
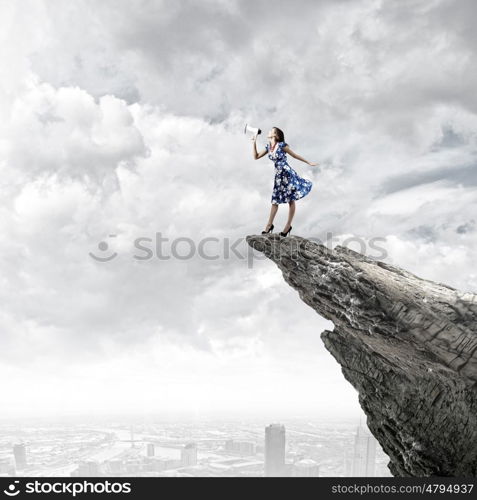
(408, 345)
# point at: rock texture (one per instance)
(408, 345)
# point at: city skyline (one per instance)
(305, 448)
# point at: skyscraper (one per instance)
(274, 450)
(364, 457)
(189, 454)
(19, 452)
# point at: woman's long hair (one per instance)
(280, 134)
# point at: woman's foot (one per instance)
(286, 231)
(268, 229)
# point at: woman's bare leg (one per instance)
(273, 212)
(291, 213)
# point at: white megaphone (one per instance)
(252, 130)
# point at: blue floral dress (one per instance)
(288, 185)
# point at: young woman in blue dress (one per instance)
(288, 186)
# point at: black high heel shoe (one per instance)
(269, 231)
(287, 233)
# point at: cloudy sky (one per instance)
(124, 119)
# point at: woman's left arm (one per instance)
(297, 156)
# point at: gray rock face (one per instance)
(408, 345)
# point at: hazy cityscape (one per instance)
(127, 446)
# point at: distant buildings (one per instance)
(242, 448)
(364, 457)
(159, 464)
(235, 467)
(306, 468)
(275, 450)
(88, 468)
(228, 449)
(19, 452)
(7, 468)
(115, 466)
(189, 455)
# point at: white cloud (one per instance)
(125, 119)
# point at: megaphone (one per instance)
(252, 130)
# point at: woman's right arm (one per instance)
(257, 155)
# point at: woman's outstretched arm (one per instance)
(257, 155)
(297, 156)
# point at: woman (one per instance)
(288, 185)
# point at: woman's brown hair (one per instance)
(280, 134)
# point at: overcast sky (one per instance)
(126, 118)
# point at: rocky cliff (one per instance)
(408, 345)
